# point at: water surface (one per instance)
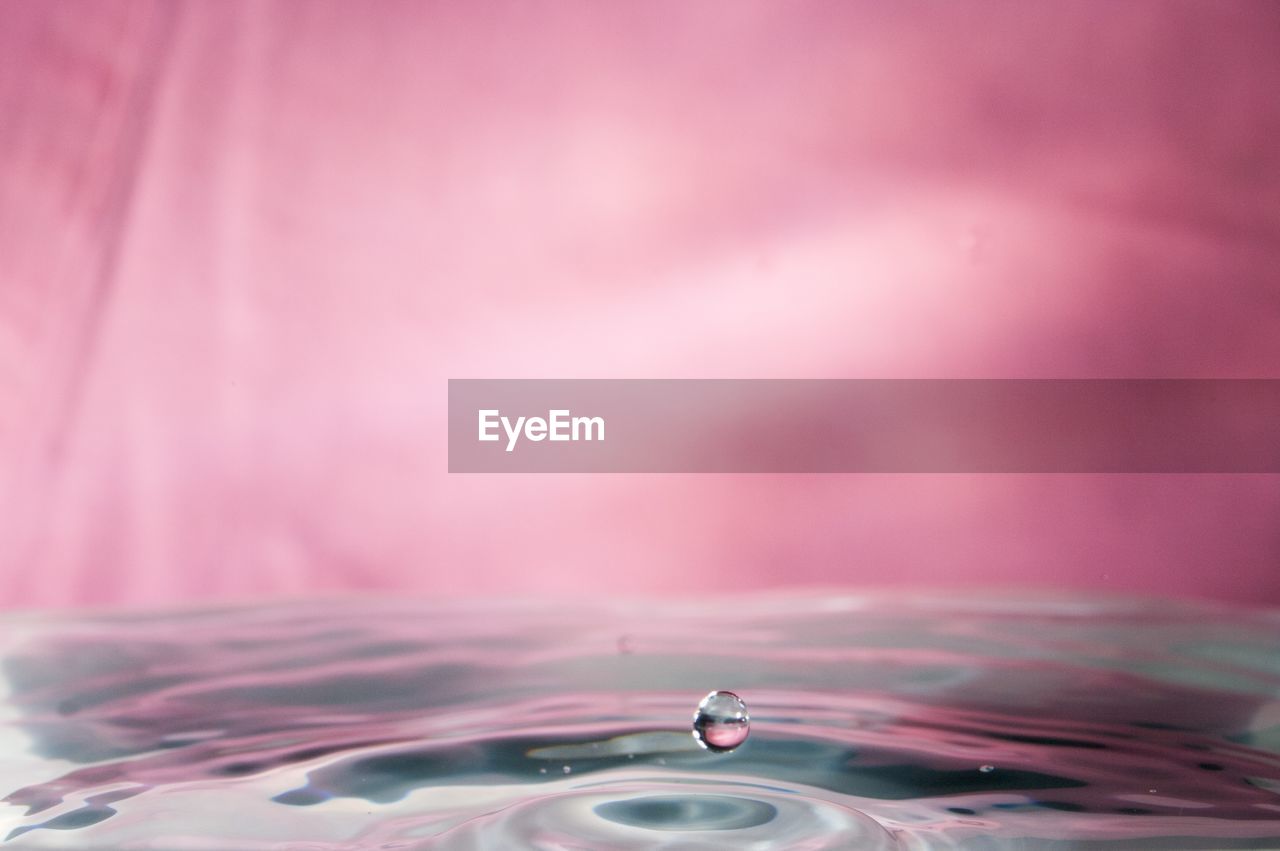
(877, 722)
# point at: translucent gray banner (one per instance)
(864, 426)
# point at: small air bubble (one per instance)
(721, 722)
(986, 769)
(567, 769)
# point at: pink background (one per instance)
(243, 246)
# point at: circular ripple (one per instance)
(656, 817)
(688, 812)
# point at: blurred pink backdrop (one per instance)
(243, 246)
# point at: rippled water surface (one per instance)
(876, 723)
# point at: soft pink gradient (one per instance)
(243, 245)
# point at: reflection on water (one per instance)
(875, 723)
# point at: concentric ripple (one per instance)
(636, 817)
(875, 723)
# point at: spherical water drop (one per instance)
(721, 722)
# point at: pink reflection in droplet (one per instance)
(721, 722)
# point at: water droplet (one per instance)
(986, 769)
(542, 771)
(721, 722)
